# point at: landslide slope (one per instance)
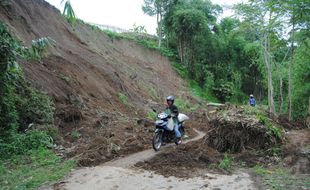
(100, 85)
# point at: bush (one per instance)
(226, 163)
(272, 130)
(223, 91)
(20, 104)
(23, 142)
(33, 106)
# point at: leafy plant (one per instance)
(138, 29)
(21, 143)
(223, 91)
(272, 130)
(151, 115)
(68, 12)
(75, 134)
(123, 98)
(183, 105)
(33, 169)
(39, 47)
(226, 163)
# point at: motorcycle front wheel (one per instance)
(157, 140)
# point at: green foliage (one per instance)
(38, 48)
(33, 105)
(226, 163)
(281, 179)
(272, 130)
(151, 115)
(6, 3)
(138, 29)
(33, 169)
(223, 90)
(301, 80)
(114, 35)
(75, 134)
(21, 143)
(123, 98)
(68, 12)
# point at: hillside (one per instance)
(101, 86)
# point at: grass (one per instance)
(123, 98)
(282, 179)
(75, 134)
(32, 170)
(151, 115)
(226, 163)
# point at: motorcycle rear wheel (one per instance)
(157, 140)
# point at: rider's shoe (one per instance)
(179, 141)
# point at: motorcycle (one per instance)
(164, 129)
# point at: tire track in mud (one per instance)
(132, 159)
(120, 174)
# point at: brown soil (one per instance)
(85, 74)
(183, 161)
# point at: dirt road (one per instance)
(120, 174)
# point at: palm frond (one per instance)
(68, 12)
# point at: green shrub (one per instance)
(272, 130)
(33, 106)
(21, 143)
(75, 134)
(183, 105)
(226, 163)
(20, 104)
(223, 90)
(151, 115)
(38, 48)
(32, 170)
(123, 98)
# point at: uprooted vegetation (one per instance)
(242, 128)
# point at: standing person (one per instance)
(174, 112)
(252, 101)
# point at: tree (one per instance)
(260, 15)
(296, 13)
(158, 8)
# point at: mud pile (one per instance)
(182, 161)
(237, 129)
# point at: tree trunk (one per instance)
(290, 87)
(290, 92)
(281, 95)
(159, 28)
(267, 61)
(308, 118)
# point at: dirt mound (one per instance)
(182, 161)
(296, 151)
(101, 86)
(237, 129)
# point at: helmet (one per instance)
(170, 98)
(251, 95)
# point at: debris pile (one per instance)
(241, 128)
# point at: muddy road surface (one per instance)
(120, 174)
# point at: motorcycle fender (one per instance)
(157, 130)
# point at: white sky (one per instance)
(120, 13)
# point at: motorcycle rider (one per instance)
(174, 112)
(252, 101)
